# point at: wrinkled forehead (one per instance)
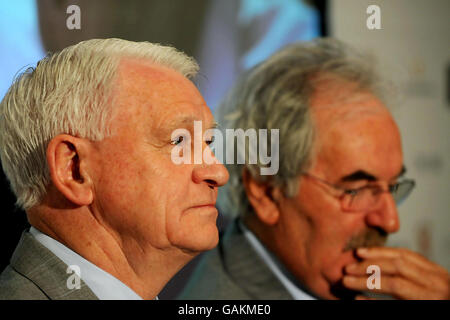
(158, 93)
(336, 97)
(355, 131)
(338, 102)
(143, 80)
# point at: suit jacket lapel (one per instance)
(45, 270)
(247, 269)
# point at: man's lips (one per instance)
(207, 209)
(209, 205)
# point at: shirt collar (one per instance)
(101, 283)
(294, 290)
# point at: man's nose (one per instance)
(386, 215)
(215, 175)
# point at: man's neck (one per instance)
(144, 269)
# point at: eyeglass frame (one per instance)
(353, 192)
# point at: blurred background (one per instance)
(229, 36)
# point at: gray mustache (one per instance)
(370, 238)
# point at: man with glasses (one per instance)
(313, 229)
(368, 196)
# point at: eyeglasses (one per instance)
(368, 197)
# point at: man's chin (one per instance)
(201, 245)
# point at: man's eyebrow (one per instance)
(358, 175)
(188, 121)
(184, 121)
(363, 175)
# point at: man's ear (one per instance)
(260, 196)
(66, 158)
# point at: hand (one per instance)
(404, 274)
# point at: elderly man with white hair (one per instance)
(86, 143)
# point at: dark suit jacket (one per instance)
(35, 273)
(234, 270)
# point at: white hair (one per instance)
(68, 92)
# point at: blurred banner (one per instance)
(225, 37)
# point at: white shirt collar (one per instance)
(295, 291)
(101, 283)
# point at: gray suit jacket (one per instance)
(35, 273)
(233, 270)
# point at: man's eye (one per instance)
(211, 140)
(352, 192)
(177, 141)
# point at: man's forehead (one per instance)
(157, 88)
(156, 100)
(363, 140)
(188, 122)
(147, 75)
(328, 88)
(335, 95)
(335, 101)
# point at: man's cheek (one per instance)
(175, 225)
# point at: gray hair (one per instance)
(275, 95)
(68, 92)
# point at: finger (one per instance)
(394, 286)
(400, 253)
(399, 267)
(386, 266)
